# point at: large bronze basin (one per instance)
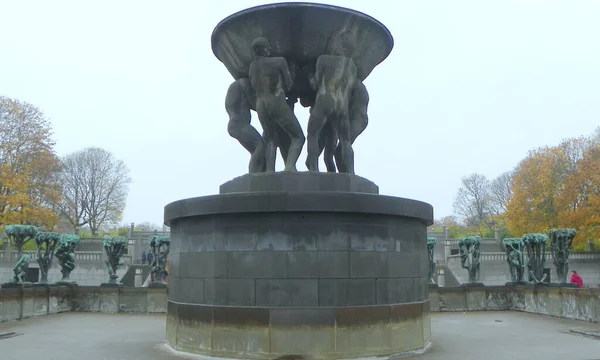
(300, 32)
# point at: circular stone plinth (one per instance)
(294, 181)
(319, 274)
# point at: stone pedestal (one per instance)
(263, 274)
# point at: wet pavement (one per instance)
(462, 336)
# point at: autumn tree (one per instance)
(28, 166)
(536, 183)
(558, 187)
(578, 204)
(94, 189)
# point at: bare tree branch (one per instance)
(95, 188)
(472, 201)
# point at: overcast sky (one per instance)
(470, 86)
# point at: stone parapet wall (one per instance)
(22, 303)
(570, 303)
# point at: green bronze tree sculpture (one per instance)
(515, 258)
(65, 252)
(560, 246)
(19, 271)
(114, 247)
(536, 253)
(46, 243)
(159, 247)
(20, 235)
(431, 241)
(470, 257)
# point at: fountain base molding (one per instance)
(324, 274)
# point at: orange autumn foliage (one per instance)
(558, 187)
(579, 201)
(28, 166)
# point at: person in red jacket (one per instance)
(576, 279)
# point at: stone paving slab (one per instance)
(463, 336)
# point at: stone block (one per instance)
(421, 285)
(40, 301)
(187, 290)
(194, 329)
(229, 341)
(172, 323)
(66, 296)
(347, 292)
(475, 298)
(395, 291)
(208, 264)
(299, 181)
(407, 335)
(318, 264)
(157, 300)
(434, 299)
(287, 292)
(402, 264)
(28, 302)
(303, 340)
(369, 264)
(233, 292)
(369, 237)
(331, 240)
(133, 300)
(10, 304)
(215, 240)
(496, 298)
(375, 339)
(257, 265)
(452, 299)
(53, 300)
(109, 300)
(240, 239)
(274, 240)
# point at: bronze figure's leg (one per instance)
(328, 142)
(359, 120)
(316, 122)
(289, 123)
(346, 145)
(270, 136)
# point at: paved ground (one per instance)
(462, 336)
